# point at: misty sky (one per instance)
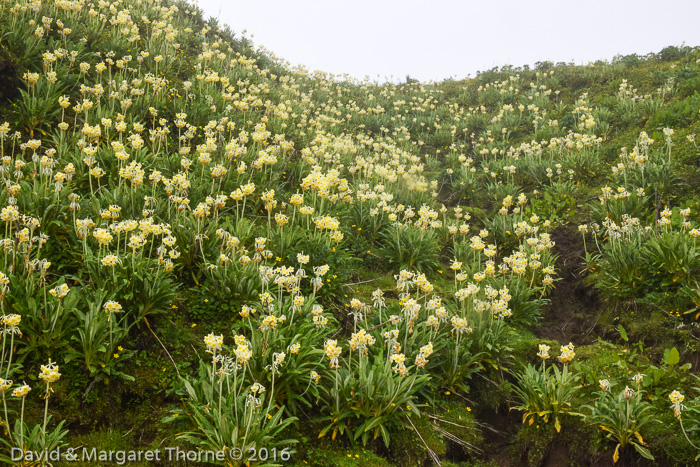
(441, 39)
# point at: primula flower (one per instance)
(567, 353)
(5, 384)
(12, 323)
(638, 378)
(110, 260)
(21, 391)
(60, 291)
(112, 307)
(400, 367)
(676, 403)
(243, 354)
(213, 342)
(332, 351)
(49, 373)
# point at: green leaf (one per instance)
(644, 452)
(672, 358)
(385, 435)
(623, 333)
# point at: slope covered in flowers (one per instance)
(206, 248)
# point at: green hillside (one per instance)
(212, 257)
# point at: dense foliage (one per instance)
(204, 247)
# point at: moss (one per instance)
(490, 392)
(476, 213)
(454, 423)
(534, 443)
(578, 438)
(667, 443)
(104, 439)
(332, 456)
(524, 345)
(472, 463)
(407, 448)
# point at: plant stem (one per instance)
(7, 420)
(46, 413)
(9, 362)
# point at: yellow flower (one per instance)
(567, 353)
(49, 373)
(21, 391)
(213, 342)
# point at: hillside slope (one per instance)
(205, 248)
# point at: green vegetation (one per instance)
(205, 249)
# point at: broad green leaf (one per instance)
(644, 452)
(623, 333)
(672, 358)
